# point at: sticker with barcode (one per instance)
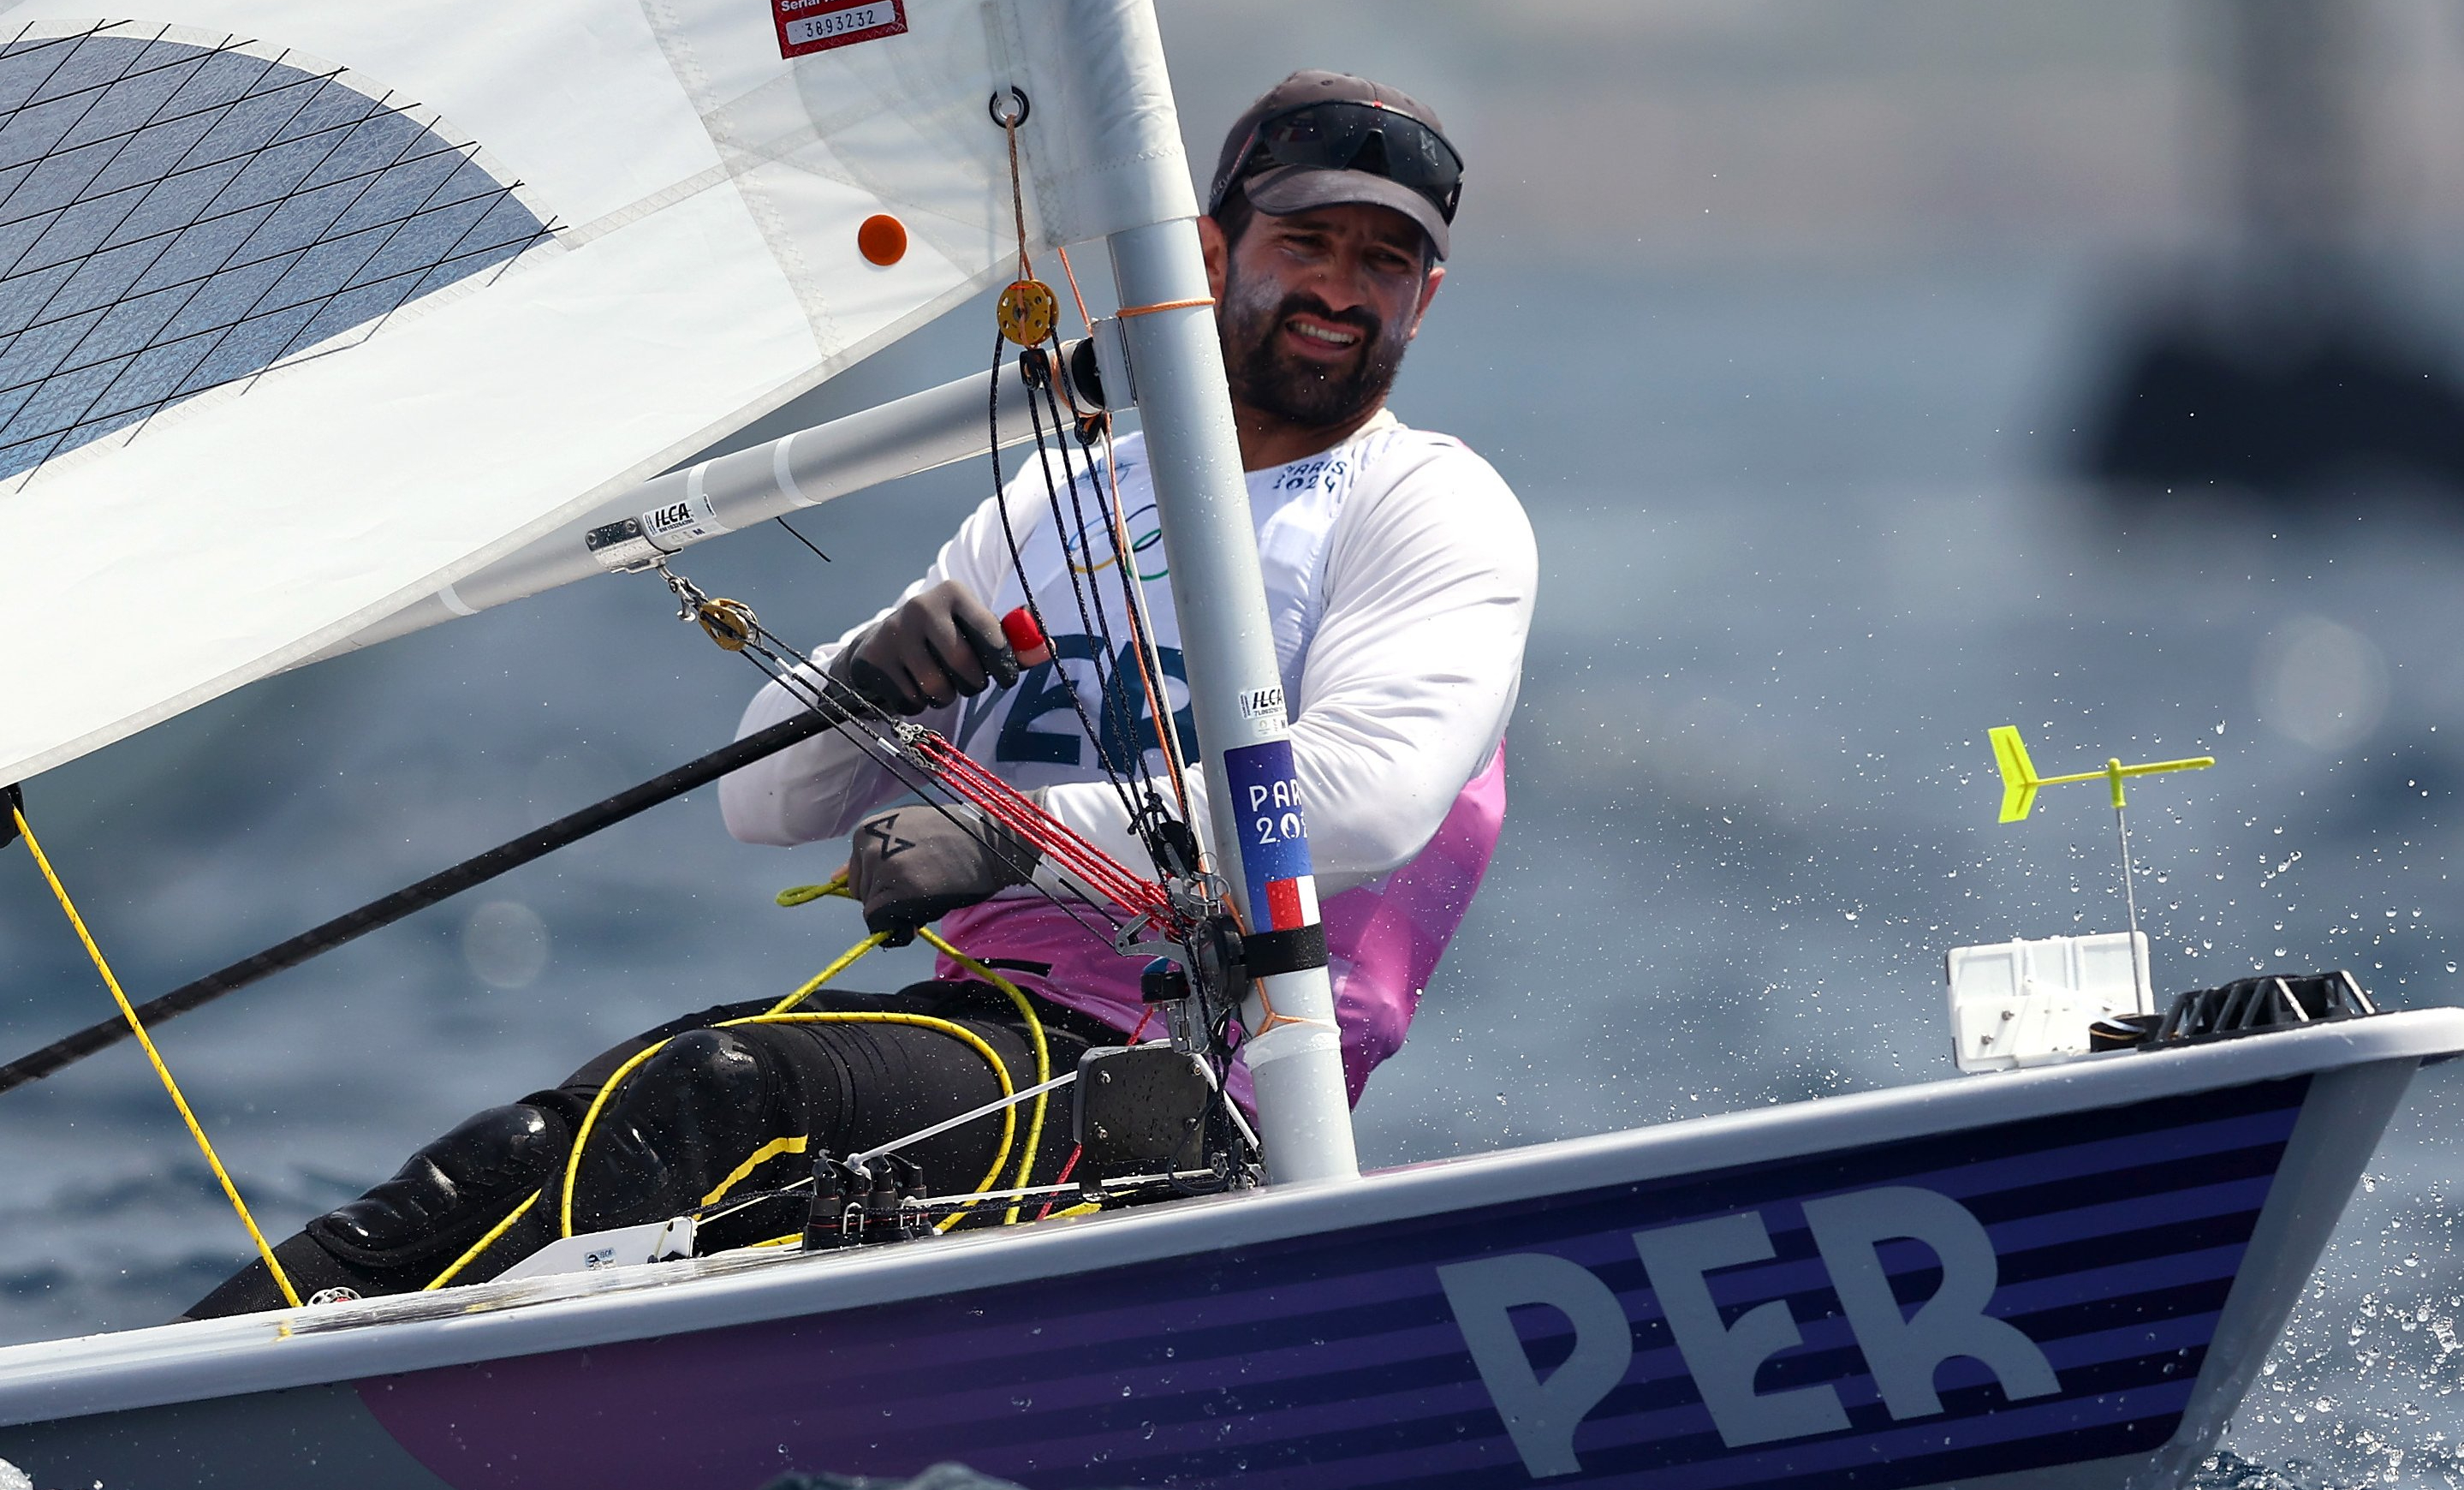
(806, 25)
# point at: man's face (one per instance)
(1317, 308)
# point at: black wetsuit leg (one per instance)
(718, 1112)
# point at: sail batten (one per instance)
(330, 307)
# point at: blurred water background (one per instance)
(1791, 324)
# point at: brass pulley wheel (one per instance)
(1027, 312)
(729, 623)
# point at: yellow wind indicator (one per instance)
(2020, 781)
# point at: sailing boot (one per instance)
(395, 1237)
(318, 1276)
(450, 1189)
(676, 1131)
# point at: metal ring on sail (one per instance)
(180, 211)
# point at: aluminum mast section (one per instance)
(1261, 842)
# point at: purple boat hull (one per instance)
(2063, 1277)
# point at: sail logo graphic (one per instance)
(1724, 1356)
(808, 26)
(190, 210)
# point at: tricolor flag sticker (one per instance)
(1274, 837)
(1291, 904)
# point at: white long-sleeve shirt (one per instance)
(1399, 572)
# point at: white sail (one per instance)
(502, 262)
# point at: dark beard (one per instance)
(1301, 393)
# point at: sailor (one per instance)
(1399, 574)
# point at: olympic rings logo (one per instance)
(1146, 541)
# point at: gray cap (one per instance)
(1415, 171)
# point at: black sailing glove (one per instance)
(928, 652)
(912, 865)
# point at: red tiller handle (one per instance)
(1025, 638)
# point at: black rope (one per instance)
(389, 909)
(1018, 564)
(802, 539)
(1148, 821)
(1121, 703)
(1116, 524)
(814, 687)
(806, 681)
(1098, 630)
(1150, 824)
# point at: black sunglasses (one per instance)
(1348, 136)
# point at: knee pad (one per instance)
(702, 1066)
(448, 1187)
(677, 1125)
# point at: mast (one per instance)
(1261, 839)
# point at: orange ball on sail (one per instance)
(882, 240)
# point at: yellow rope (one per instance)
(589, 1120)
(780, 1014)
(796, 895)
(956, 1032)
(762, 1155)
(828, 973)
(803, 894)
(1043, 1052)
(485, 1242)
(196, 1130)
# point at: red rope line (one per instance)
(1062, 1179)
(1072, 276)
(1002, 803)
(1127, 311)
